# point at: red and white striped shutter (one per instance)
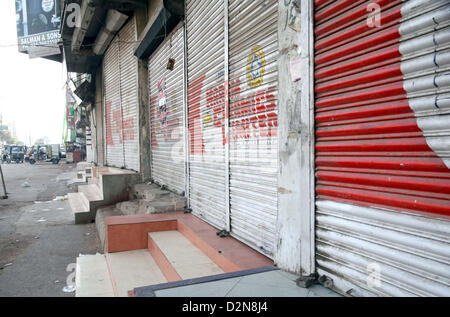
(166, 111)
(382, 87)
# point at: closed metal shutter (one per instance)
(166, 108)
(128, 64)
(383, 146)
(253, 67)
(112, 110)
(206, 106)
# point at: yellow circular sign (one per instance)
(256, 67)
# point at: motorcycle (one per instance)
(6, 158)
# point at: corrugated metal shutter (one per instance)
(253, 57)
(383, 146)
(206, 83)
(129, 94)
(112, 110)
(166, 108)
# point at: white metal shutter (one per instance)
(206, 88)
(383, 146)
(166, 109)
(253, 54)
(112, 110)
(128, 64)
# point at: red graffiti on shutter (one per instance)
(215, 98)
(117, 117)
(153, 100)
(109, 138)
(195, 125)
(253, 116)
(128, 129)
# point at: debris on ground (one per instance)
(6, 265)
(26, 184)
(69, 289)
(42, 220)
(59, 198)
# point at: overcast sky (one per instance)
(31, 90)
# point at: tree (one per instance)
(6, 137)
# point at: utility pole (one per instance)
(5, 196)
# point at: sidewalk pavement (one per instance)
(275, 283)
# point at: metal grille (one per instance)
(253, 121)
(206, 88)
(113, 133)
(129, 94)
(383, 145)
(120, 68)
(166, 108)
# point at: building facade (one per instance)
(316, 132)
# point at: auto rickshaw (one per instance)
(44, 153)
(17, 153)
(29, 153)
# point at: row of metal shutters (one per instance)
(166, 91)
(382, 86)
(120, 68)
(232, 118)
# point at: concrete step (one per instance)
(92, 192)
(167, 203)
(92, 277)
(185, 258)
(149, 192)
(94, 181)
(82, 166)
(80, 207)
(132, 269)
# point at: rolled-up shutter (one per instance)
(112, 110)
(166, 109)
(253, 54)
(383, 146)
(206, 106)
(129, 93)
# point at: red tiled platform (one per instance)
(125, 233)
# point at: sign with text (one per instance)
(38, 24)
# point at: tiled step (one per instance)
(80, 207)
(174, 249)
(92, 277)
(131, 269)
(100, 216)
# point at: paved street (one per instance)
(38, 237)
